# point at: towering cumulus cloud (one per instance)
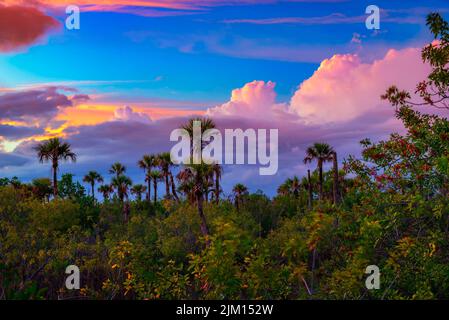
(255, 99)
(344, 88)
(22, 26)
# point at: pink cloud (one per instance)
(344, 88)
(255, 99)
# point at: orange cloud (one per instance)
(93, 114)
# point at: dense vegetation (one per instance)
(312, 241)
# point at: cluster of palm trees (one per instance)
(321, 153)
(157, 168)
(199, 183)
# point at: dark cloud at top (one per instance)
(22, 26)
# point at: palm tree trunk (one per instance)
(93, 190)
(320, 169)
(336, 192)
(237, 200)
(155, 190)
(55, 179)
(204, 228)
(126, 211)
(167, 186)
(309, 186)
(149, 188)
(217, 188)
(173, 187)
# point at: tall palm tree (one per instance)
(106, 190)
(206, 124)
(322, 152)
(155, 176)
(92, 177)
(53, 151)
(147, 163)
(118, 169)
(138, 190)
(239, 191)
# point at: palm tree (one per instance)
(186, 183)
(295, 187)
(147, 163)
(118, 169)
(218, 170)
(106, 190)
(164, 162)
(156, 176)
(206, 124)
(198, 175)
(53, 151)
(173, 187)
(290, 187)
(122, 184)
(322, 152)
(138, 190)
(209, 185)
(239, 191)
(284, 189)
(91, 178)
(309, 189)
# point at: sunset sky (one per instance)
(138, 69)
